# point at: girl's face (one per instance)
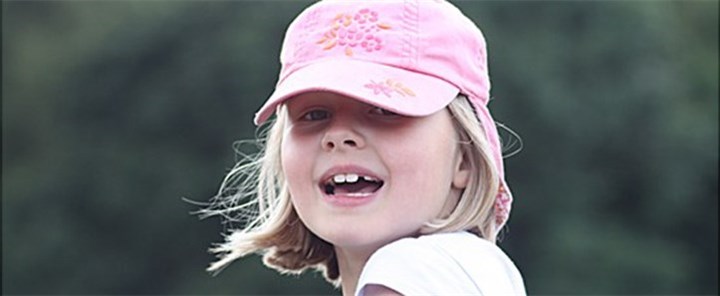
(361, 177)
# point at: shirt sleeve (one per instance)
(416, 267)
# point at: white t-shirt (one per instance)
(458, 263)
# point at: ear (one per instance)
(461, 174)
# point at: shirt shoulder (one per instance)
(447, 263)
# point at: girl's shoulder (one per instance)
(444, 263)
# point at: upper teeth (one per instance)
(350, 178)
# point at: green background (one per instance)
(112, 111)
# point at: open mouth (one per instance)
(351, 185)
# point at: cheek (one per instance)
(296, 161)
(423, 170)
(425, 167)
(425, 152)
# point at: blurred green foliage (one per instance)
(114, 110)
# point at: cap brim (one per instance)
(394, 89)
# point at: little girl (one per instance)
(383, 167)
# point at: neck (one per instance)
(350, 265)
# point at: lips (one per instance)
(350, 181)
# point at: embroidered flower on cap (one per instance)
(349, 31)
(388, 87)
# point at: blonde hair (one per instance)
(254, 193)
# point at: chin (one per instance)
(346, 236)
(359, 236)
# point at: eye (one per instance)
(382, 112)
(314, 115)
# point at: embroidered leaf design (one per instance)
(330, 45)
(408, 91)
(388, 87)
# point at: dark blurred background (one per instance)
(113, 111)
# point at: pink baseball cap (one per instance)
(408, 57)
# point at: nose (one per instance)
(342, 136)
